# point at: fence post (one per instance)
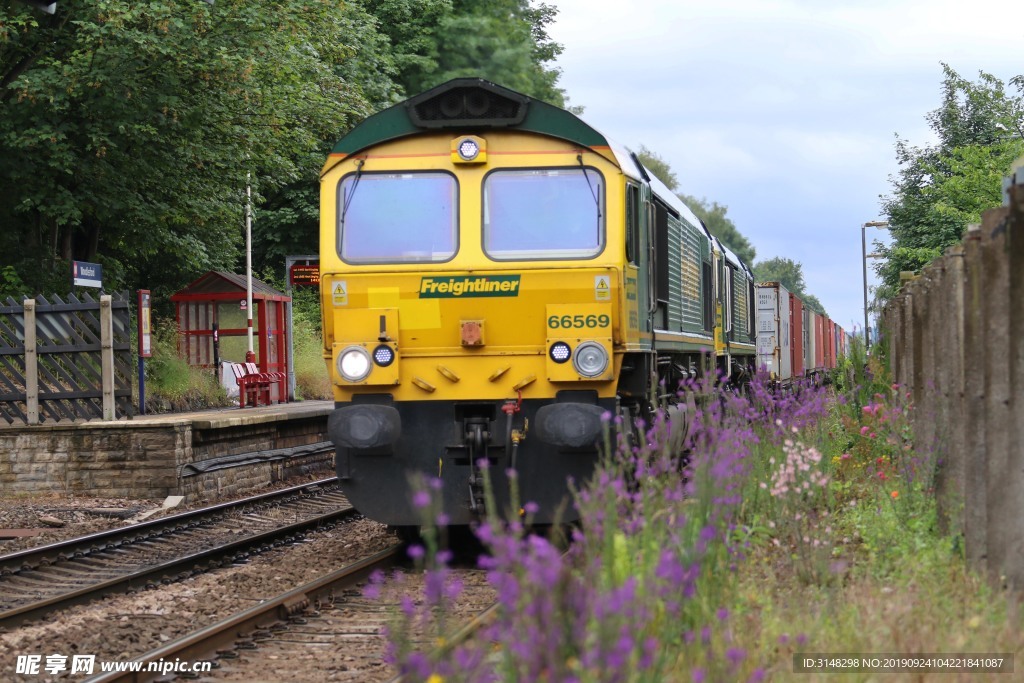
(107, 355)
(1003, 509)
(951, 485)
(1015, 261)
(31, 363)
(975, 434)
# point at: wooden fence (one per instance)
(956, 341)
(65, 360)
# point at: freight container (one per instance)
(820, 346)
(774, 354)
(796, 336)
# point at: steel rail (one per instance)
(169, 571)
(46, 555)
(212, 640)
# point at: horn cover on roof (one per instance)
(467, 102)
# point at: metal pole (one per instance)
(289, 261)
(142, 385)
(289, 325)
(864, 260)
(250, 356)
(864, 255)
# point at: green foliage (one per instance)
(311, 379)
(783, 270)
(791, 274)
(942, 188)
(412, 28)
(11, 283)
(503, 41)
(125, 127)
(129, 131)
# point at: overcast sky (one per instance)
(785, 111)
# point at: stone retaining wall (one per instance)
(156, 458)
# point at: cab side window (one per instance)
(632, 223)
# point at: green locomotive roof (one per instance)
(468, 104)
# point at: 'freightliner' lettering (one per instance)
(469, 286)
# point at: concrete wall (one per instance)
(224, 453)
(956, 341)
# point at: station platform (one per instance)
(199, 455)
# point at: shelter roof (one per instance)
(218, 284)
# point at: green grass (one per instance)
(172, 385)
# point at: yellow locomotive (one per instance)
(496, 279)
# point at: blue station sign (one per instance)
(84, 274)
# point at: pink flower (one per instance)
(864, 430)
(844, 456)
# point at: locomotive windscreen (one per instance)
(544, 214)
(397, 217)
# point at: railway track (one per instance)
(313, 615)
(323, 629)
(38, 581)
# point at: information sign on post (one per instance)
(84, 274)
(305, 275)
(145, 345)
(145, 326)
(301, 271)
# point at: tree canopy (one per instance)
(942, 188)
(790, 274)
(504, 41)
(128, 131)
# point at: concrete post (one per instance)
(1004, 511)
(107, 355)
(975, 466)
(894, 327)
(950, 483)
(1015, 352)
(31, 364)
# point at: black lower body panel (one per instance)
(379, 465)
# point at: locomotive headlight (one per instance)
(383, 355)
(560, 352)
(468, 149)
(354, 364)
(590, 359)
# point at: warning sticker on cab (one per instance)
(339, 293)
(602, 288)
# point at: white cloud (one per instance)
(783, 110)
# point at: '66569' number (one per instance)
(568, 322)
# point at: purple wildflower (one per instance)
(421, 499)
